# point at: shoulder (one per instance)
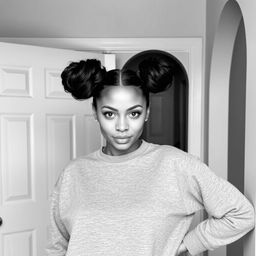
(183, 161)
(76, 166)
(173, 153)
(81, 161)
(77, 163)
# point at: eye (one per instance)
(108, 115)
(135, 114)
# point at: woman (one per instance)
(132, 197)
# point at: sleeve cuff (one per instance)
(193, 243)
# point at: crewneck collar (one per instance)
(122, 158)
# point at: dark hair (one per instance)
(88, 78)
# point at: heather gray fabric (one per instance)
(142, 204)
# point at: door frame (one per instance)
(193, 46)
(109, 46)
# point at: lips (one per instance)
(122, 139)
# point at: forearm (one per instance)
(231, 215)
(181, 249)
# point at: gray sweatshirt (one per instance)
(142, 204)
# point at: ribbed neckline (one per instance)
(122, 158)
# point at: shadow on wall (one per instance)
(236, 125)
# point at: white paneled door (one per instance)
(41, 129)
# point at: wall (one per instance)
(112, 18)
(248, 8)
(213, 11)
(236, 122)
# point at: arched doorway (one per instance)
(236, 122)
(227, 105)
(168, 122)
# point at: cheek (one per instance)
(106, 126)
(138, 125)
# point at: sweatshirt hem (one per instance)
(193, 243)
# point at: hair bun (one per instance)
(81, 78)
(156, 74)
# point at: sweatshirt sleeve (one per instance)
(58, 234)
(231, 215)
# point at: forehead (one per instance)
(121, 96)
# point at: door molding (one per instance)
(191, 46)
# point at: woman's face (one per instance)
(121, 113)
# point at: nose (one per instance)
(122, 124)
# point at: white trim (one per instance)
(109, 61)
(192, 46)
(109, 44)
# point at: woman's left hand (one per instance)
(181, 249)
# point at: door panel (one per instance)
(41, 129)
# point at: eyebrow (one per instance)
(135, 106)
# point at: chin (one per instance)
(122, 146)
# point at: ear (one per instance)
(94, 111)
(147, 114)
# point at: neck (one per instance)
(108, 151)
